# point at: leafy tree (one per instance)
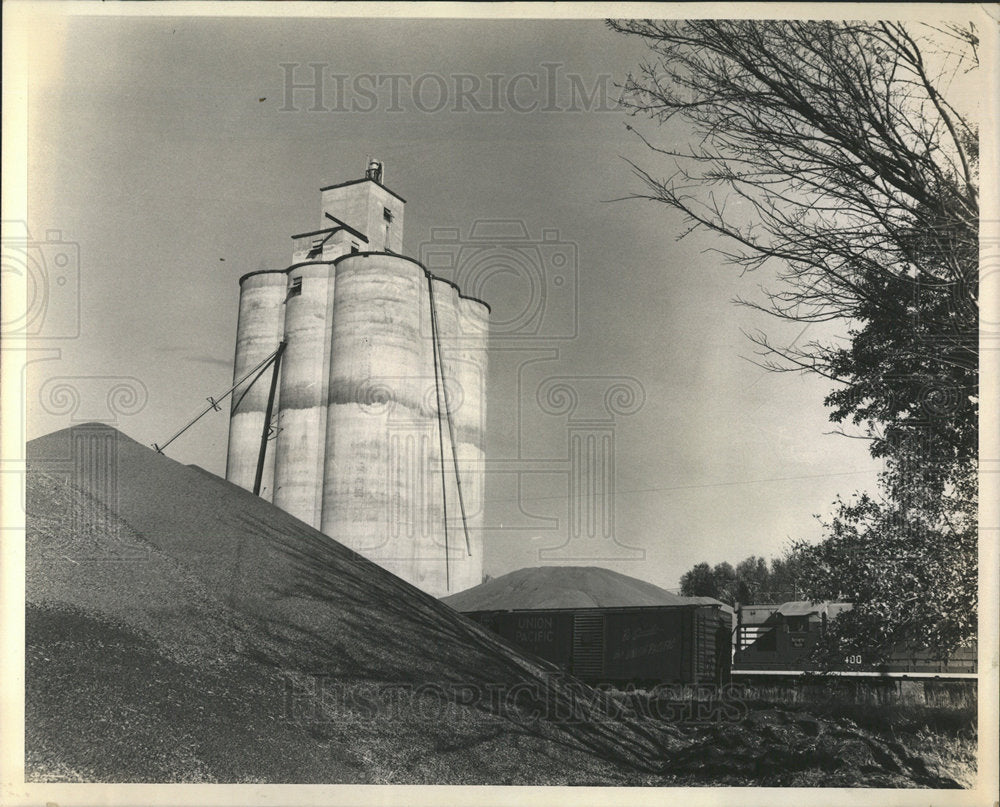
(828, 153)
(752, 580)
(785, 580)
(908, 560)
(699, 582)
(725, 582)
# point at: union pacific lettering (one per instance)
(535, 630)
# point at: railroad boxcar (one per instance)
(777, 640)
(686, 644)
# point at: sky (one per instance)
(167, 157)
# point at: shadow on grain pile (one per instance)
(180, 629)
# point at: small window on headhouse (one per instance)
(387, 214)
(295, 287)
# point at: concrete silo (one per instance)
(258, 333)
(374, 497)
(470, 346)
(301, 423)
(379, 416)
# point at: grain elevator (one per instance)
(369, 421)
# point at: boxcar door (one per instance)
(588, 646)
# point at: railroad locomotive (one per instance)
(773, 642)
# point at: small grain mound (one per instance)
(565, 587)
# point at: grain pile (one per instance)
(565, 587)
(179, 629)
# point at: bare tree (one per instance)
(829, 152)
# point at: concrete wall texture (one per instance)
(378, 416)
